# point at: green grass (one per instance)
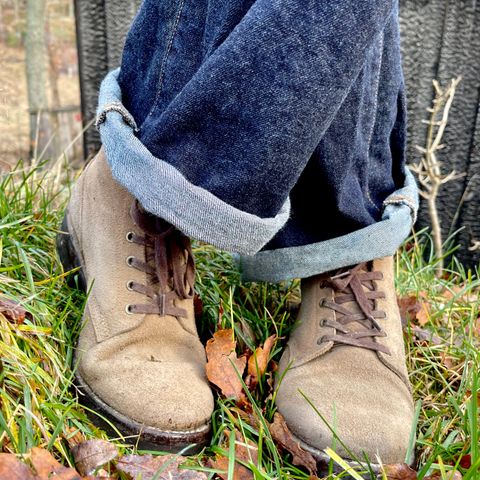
(38, 406)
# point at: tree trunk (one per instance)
(37, 74)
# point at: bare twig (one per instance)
(428, 169)
(475, 246)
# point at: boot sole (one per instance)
(149, 438)
(323, 461)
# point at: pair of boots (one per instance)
(141, 363)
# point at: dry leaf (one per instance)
(73, 437)
(447, 361)
(413, 309)
(399, 471)
(164, 467)
(92, 454)
(282, 435)
(223, 364)
(245, 451)
(12, 311)
(426, 336)
(258, 362)
(465, 461)
(46, 466)
(11, 468)
(447, 476)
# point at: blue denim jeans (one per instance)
(271, 128)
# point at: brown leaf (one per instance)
(426, 336)
(258, 362)
(399, 471)
(223, 363)
(245, 451)
(466, 461)
(44, 467)
(47, 467)
(73, 437)
(12, 311)
(282, 435)
(92, 454)
(447, 361)
(448, 476)
(11, 468)
(164, 467)
(414, 309)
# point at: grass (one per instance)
(38, 406)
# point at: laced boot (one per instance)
(347, 357)
(139, 360)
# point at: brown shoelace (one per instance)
(355, 285)
(168, 263)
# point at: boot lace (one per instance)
(355, 285)
(169, 265)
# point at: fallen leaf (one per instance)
(282, 435)
(258, 362)
(447, 476)
(13, 311)
(43, 467)
(46, 466)
(399, 471)
(73, 437)
(413, 309)
(148, 467)
(466, 461)
(447, 361)
(245, 451)
(426, 336)
(92, 454)
(223, 364)
(11, 468)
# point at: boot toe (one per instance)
(371, 415)
(152, 393)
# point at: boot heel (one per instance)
(69, 257)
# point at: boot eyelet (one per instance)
(322, 322)
(129, 236)
(129, 261)
(128, 309)
(321, 340)
(130, 285)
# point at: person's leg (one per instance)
(219, 113)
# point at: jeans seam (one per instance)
(370, 135)
(163, 66)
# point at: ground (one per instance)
(39, 407)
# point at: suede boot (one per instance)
(139, 360)
(347, 357)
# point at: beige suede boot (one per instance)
(140, 361)
(347, 357)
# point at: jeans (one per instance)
(271, 128)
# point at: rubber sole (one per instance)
(323, 461)
(145, 437)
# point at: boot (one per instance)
(139, 360)
(347, 357)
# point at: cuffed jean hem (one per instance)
(375, 241)
(163, 191)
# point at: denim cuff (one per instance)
(375, 241)
(165, 192)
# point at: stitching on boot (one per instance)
(119, 108)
